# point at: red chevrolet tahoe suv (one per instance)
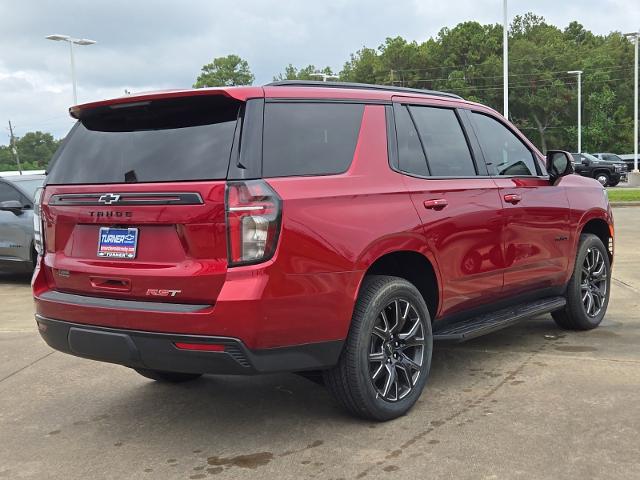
(317, 228)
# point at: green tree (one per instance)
(467, 60)
(539, 97)
(608, 123)
(362, 67)
(7, 162)
(35, 150)
(225, 72)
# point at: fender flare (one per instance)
(596, 213)
(395, 243)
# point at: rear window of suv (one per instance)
(157, 141)
(309, 138)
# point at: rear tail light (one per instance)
(253, 221)
(38, 231)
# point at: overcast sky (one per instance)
(150, 45)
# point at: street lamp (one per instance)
(579, 74)
(505, 59)
(635, 181)
(324, 76)
(71, 41)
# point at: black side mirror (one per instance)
(558, 164)
(13, 206)
(585, 161)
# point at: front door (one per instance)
(536, 213)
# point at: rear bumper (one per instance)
(261, 307)
(16, 265)
(158, 351)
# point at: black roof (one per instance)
(365, 86)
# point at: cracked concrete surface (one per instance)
(528, 402)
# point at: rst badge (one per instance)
(161, 292)
(117, 242)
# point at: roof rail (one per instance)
(367, 86)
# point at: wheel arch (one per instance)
(415, 267)
(601, 229)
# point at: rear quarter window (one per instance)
(309, 138)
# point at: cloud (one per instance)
(151, 45)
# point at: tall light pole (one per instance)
(635, 36)
(505, 59)
(324, 76)
(579, 74)
(72, 41)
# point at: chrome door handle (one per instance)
(436, 204)
(512, 198)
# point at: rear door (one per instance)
(134, 203)
(457, 201)
(536, 213)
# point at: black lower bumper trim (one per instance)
(157, 351)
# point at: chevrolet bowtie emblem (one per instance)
(109, 198)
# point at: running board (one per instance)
(490, 322)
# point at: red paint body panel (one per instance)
(483, 248)
(181, 246)
(465, 237)
(535, 256)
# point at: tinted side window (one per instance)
(7, 192)
(444, 142)
(504, 153)
(410, 155)
(309, 138)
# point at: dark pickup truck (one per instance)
(608, 173)
(612, 157)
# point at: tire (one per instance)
(34, 258)
(613, 184)
(602, 178)
(372, 357)
(587, 314)
(167, 377)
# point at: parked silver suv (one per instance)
(17, 253)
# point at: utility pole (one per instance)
(505, 59)
(634, 179)
(14, 149)
(72, 41)
(579, 74)
(635, 107)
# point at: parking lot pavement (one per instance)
(528, 402)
